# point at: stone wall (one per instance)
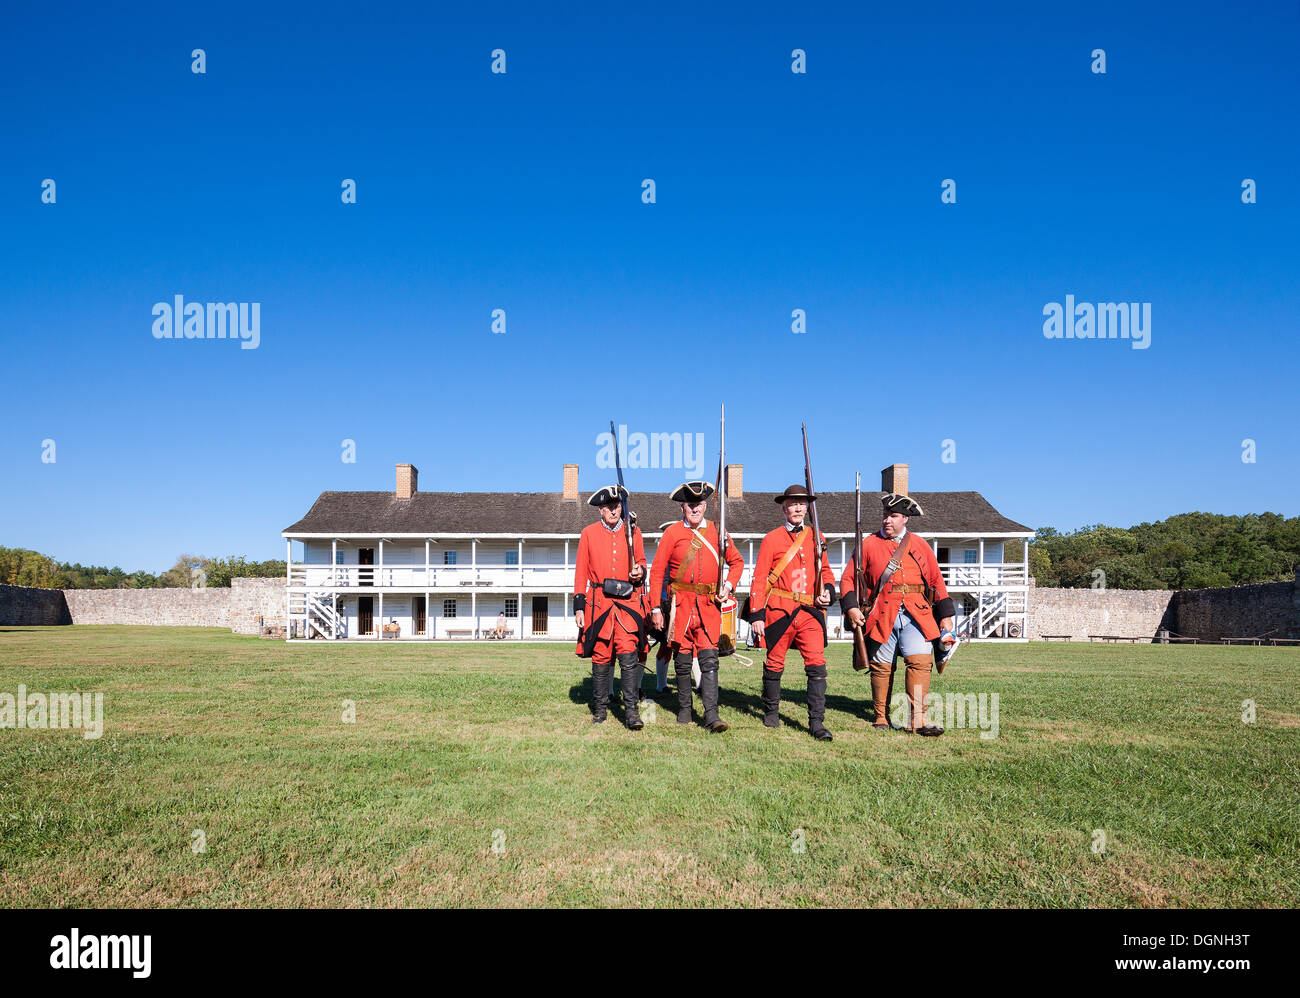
(1080, 612)
(252, 600)
(240, 607)
(1271, 609)
(31, 607)
(153, 607)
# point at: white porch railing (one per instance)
(960, 576)
(554, 577)
(558, 578)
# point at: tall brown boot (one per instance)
(882, 674)
(918, 687)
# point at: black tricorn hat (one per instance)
(896, 503)
(610, 493)
(796, 492)
(692, 492)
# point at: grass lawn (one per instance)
(459, 748)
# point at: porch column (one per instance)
(521, 614)
(379, 631)
(473, 560)
(426, 579)
(473, 609)
(521, 563)
(428, 615)
(381, 564)
(288, 581)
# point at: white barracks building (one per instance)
(408, 565)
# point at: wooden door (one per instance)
(417, 614)
(366, 556)
(365, 614)
(540, 606)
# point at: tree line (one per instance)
(21, 567)
(1187, 551)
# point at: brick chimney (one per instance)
(570, 481)
(735, 481)
(894, 479)
(406, 479)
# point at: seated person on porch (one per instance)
(500, 631)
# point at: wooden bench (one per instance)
(1115, 637)
(460, 632)
(1056, 637)
(391, 631)
(1284, 641)
(490, 634)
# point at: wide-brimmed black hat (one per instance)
(796, 492)
(896, 503)
(692, 492)
(610, 493)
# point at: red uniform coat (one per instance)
(796, 577)
(602, 554)
(703, 570)
(919, 568)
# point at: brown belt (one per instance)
(903, 590)
(702, 588)
(805, 598)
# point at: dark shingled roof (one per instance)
(345, 513)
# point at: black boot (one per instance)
(630, 669)
(682, 667)
(817, 702)
(709, 690)
(602, 676)
(771, 698)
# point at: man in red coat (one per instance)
(901, 618)
(609, 599)
(688, 558)
(787, 606)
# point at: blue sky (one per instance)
(522, 191)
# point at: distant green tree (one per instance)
(1187, 551)
(222, 570)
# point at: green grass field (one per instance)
(456, 748)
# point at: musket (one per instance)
(725, 645)
(812, 509)
(721, 492)
(859, 578)
(627, 515)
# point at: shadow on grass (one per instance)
(731, 699)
